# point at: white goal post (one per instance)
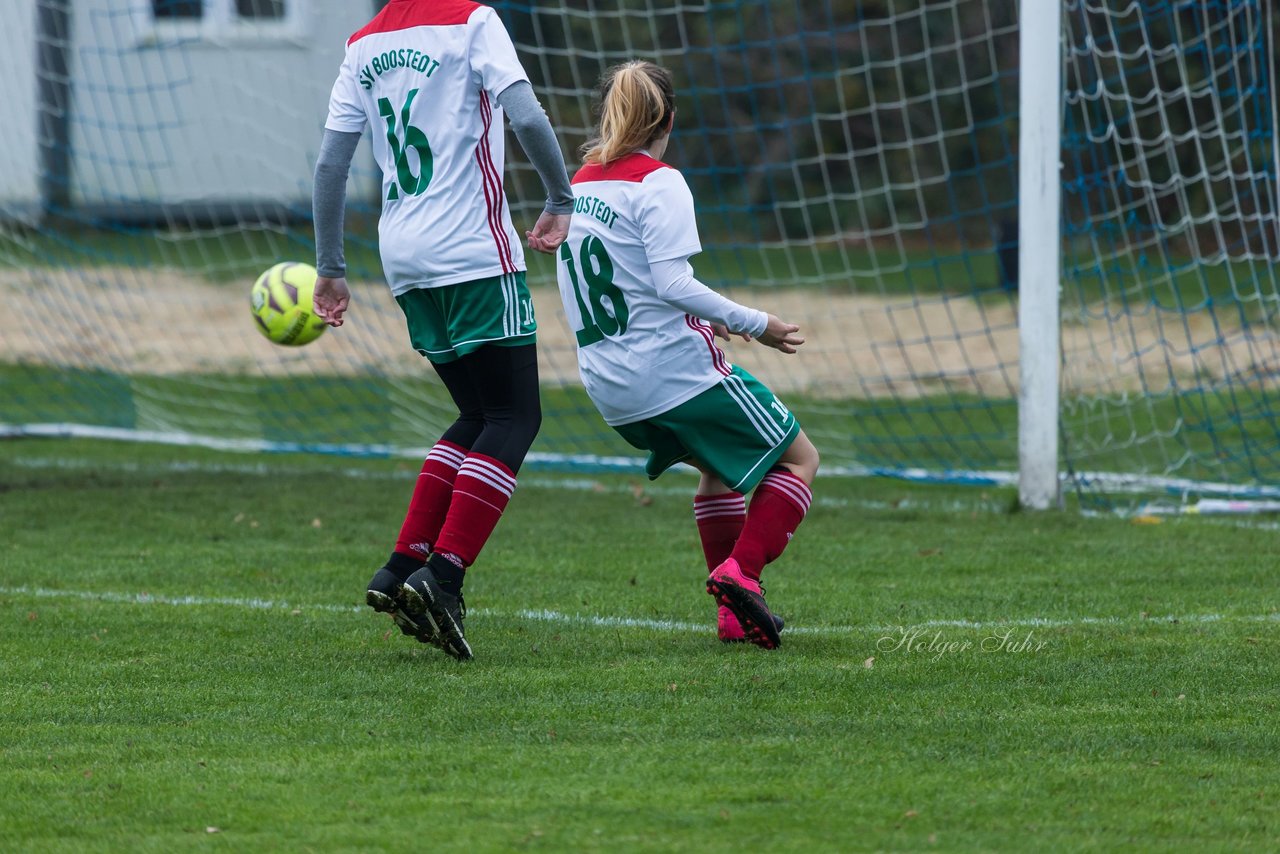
(1039, 250)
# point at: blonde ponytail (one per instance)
(637, 101)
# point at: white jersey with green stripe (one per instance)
(426, 75)
(638, 355)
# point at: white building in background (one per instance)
(179, 110)
(19, 151)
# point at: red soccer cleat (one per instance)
(744, 599)
(730, 630)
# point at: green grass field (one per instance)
(1225, 434)
(186, 665)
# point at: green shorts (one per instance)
(452, 321)
(737, 429)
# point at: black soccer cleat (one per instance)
(437, 613)
(741, 595)
(384, 589)
(730, 630)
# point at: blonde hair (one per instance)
(637, 101)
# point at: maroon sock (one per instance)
(480, 494)
(719, 519)
(430, 501)
(777, 507)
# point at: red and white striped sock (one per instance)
(719, 518)
(480, 494)
(777, 508)
(430, 501)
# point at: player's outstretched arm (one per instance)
(675, 284)
(534, 133)
(780, 335)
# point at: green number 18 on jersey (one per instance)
(597, 269)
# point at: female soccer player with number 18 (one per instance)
(646, 350)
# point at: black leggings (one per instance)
(496, 392)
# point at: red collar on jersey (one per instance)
(417, 13)
(634, 167)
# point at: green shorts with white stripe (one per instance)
(737, 430)
(452, 321)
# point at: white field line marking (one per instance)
(672, 626)
(581, 484)
(576, 484)
(587, 484)
(1113, 481)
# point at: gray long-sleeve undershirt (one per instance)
(329, 200)
(533, 130)
(329, 195)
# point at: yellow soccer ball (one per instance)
(281, 301)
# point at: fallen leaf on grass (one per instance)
(869, 663)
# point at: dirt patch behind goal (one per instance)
(858, 346)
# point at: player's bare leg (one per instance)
(801, 459)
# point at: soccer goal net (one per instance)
(855, 167)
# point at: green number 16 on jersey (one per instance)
(597, 269)
(411, 184)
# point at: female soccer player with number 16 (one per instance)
(434, 79)
(646, 350)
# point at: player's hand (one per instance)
(722, 331)
(331, 299)
(548, 232)
(781, 335)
